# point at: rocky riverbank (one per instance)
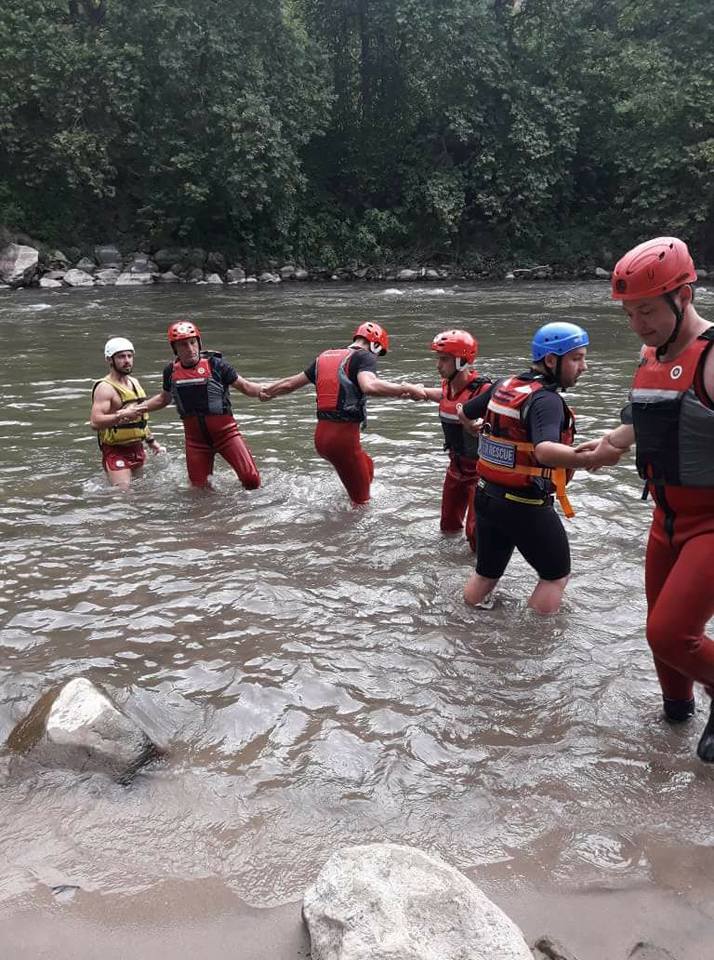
(24, 265)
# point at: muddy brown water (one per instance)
(312, 667)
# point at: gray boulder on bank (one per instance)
(57, 260)
(87, 265)
(131, 279)
(47, 283)
(77, 726)
(602, 274)
(383, 901)
(18, 264)
(108, 256)
(108, 276)
(78, 278)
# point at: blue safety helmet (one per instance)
(558, 338)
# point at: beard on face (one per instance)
(125, 368)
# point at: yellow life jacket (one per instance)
(124, 432)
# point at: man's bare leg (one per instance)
(119, 478)
(477, 589)
(547, 596)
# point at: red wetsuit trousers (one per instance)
(338, 442)
(679, 581)
(212, 434)
(457, 498)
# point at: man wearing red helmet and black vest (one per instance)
(343, 379)
(198, 382)
(457, 350)
(670, 418)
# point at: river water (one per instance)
(312, 667)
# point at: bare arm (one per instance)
(107, 410)
(470, 426)
(157, 402)
(607, 450)
(433, 393)
(550, 454)
(286, 385)
(249, 387)
(372, 386)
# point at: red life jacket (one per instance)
(338, 398)
(673, 418)
(506, 456)
(196, 391)
(457, 440)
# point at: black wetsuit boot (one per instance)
(677, 711)
(705, 747)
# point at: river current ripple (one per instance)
(312, 667)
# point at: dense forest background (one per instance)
(366, 130)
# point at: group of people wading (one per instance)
(510, 444)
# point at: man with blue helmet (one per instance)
(526, 457)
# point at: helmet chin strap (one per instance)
(459, 365)
(679, 317)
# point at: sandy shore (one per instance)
(188, 919)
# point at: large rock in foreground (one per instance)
(388, 902)
(18, 264)
(78, 726)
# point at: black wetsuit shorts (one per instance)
(536, 532)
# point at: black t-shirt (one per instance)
(545, 416)
(221, 371)
(362, 360)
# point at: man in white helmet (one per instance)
(121, 429)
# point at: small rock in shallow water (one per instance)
(76, 726)
(548, 949)
(648, 951)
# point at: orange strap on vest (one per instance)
(556, 475)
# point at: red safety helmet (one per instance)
(458, 344)
(652, 269)
(183, 330)
(376, 336)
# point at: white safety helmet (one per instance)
(117, 345)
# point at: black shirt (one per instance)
(362, 360)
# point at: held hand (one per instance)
(416, 392)
(130, 412)
(599, 453)
(157, 447)
(267, 391)
(588, 445)
(470, 426)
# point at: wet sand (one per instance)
(204, 918)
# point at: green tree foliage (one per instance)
(182, 118)
(364, 129)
